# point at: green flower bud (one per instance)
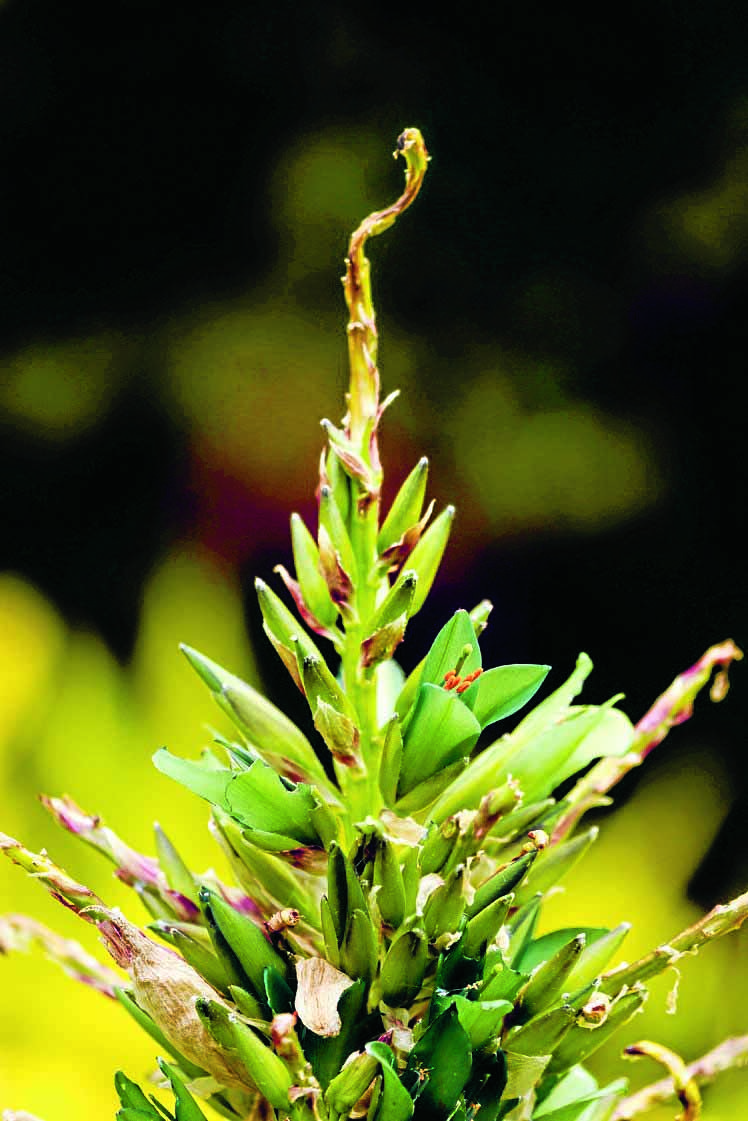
(388, 879)
(501, 882)
(359, 951)
(351, 1084)
(246, 941)
(405, 510)
(404, 968)
(483, 928)
(548, 980)
(426, 557)
(446, 905)
(542, 1034)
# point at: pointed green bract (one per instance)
(406, 508)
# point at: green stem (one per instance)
(722, 919)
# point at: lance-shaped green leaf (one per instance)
(550, 978)
(543, 948)
(572, 1097)
(248, 1004)
(252, 949)
(442, 1059)
(320, 683)
(312, 584)
(186, 1106)
(481, 1019)
(178, 875)
(406, 508)
(227, 956)
(278, 993)
(455, 645)
(131, 1098)
(388, 879)
(484, 927)
(441, 731)
(283, 630)
(542, 1034)
(395, 1103)
(489, 769)
(426, 557)
(581, 1042)
(508, 826)
(502, 690)
(332, 948)
(553, 863)
(396, 603)
(446, 905)
(404, 968)
(425, 793)
(391, 760)
(537, 765)
(267, 729)
(502, 882)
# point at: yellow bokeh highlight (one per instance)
(72, 720)
(56, 389)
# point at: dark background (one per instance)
(138, 147)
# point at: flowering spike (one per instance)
(379, 956)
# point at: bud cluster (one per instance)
(381, 955)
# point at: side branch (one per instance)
(731, 1054)
(673, 707)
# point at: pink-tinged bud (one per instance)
(294, 589)
(62, 887)
(132, 867)
(240, 901)
(20, 933)
(338, 581)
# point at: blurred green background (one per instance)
(564, 313)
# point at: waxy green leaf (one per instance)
(441, 730)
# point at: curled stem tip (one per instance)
(684, 1084)
(363, 401)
